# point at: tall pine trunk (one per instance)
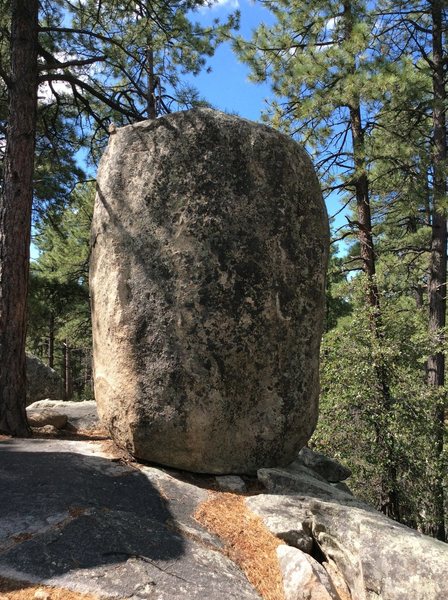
(51, 340)
(15, 215)
(67, 371)
(151, 108)
(389, 498)
(437, 288)
(151, 91)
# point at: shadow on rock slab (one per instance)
(64, 512)
(73, 518)
(78, 511)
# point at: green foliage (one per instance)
(320, 62)
(352, 416)
(57, 141)
(338, 304)
(123, 62)
(354, 80)
(58, 301)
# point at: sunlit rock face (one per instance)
(209, 248)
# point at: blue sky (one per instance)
(228, 87)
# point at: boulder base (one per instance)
(209, 248)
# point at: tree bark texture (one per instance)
(51, 340)
(389, 502)
(67, 372)
(15, 215)
(152, 82)
(438, 268)
(361, 183)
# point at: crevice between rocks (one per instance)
(337, 587)
(317, 552)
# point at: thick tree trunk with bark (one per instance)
(51, 340)
(361, 184)
(151, 108)
(389, 500)
(67, 372)
(437, 286)
(15, 215)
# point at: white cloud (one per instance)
(45, 93)
(221, 4)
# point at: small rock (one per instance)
(81, 415)
(341, 485)
(46, 417)
(46, 429)
(303, 577)
(326, 467)
(41, 594)
(287, 481)
(231, 483)
(297, 468)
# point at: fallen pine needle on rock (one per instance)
(247, 541)
(11, 589)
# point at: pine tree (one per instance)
(15, 213)
(419, 30)
(126, 62)
(319, 58)
(59, 311)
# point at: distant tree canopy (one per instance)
(59, 326)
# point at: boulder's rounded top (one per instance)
(200, 114)
(200, 118)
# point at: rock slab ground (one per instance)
(365, 553)
(81, 416)
(209, 248)
(73, 517)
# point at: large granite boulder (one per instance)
(209, 248)
(42, 381)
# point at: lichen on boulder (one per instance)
(209, 249)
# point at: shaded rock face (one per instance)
(209, 248)
(328, 468)
(42, 381)
(74, 517)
